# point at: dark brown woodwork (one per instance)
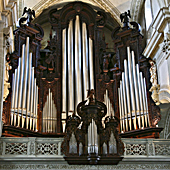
(94, 110)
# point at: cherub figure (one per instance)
(152, 70)
(30, 14)
(125, 18)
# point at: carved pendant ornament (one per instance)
(87, 141)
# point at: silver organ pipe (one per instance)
(133, 105)
(77, 63)
(110, 110)
(49, 115)
(24, 92)
(21, 84)
(85, 60)
(128, 94)
(17, 89)
(92, 138)
(70, 68)
(136, 90)
(13, 95)
(64, 77)
(131, 82)
(28, 90)
(124, 101)
(140, 96)
(32, 93)
(91, 63)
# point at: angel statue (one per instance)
(152, 70)
(30, 14)
(125, 18)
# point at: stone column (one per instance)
(1, 73)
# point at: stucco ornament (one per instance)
(6, 77)
(155, 86)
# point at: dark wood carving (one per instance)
(94, 111)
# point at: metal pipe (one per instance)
(140, 95)
(78, 66)
(70, 69)
(128, 94)
(136, 91)
(130, 71)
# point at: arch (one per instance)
(106, 5)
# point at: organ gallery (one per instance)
(89, 83)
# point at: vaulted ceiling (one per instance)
(115, 7)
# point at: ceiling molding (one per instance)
(136, 6)
(104, 4)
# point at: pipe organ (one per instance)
(133, 104)
(49, 115)
(77, 66)
(110, 110)
(24, 101)
(48, 85)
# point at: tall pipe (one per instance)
(85, 60)
(140, 95)
(130, 71)
(25, 82)
(122, 106)
(136, 91)
(13, 95)
(34, 115)
(147, 119)
(29, 90)
(32, 96)
(70, 69)
(36, 111)
(17, 89)
(128, 94)
(64, 72)
(120, 109)
(91, 63)
(21, 83)
(144, 99)
(78, 66)
(124, 101)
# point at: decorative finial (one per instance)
(125, 18)
(30, 14)
(91, 95)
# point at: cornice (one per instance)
(159, 24)
(104, 4)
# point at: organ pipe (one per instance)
(64, 72)
(110, 110)
(24, 101)
(136, 90)
(131, 82)
(92, 138)
(91, 63)
(128, 94)
(140, 95)
(85, 61)
(124, 101)
(70, 68)
(49, 115)
(133, 105)
(77, 64)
